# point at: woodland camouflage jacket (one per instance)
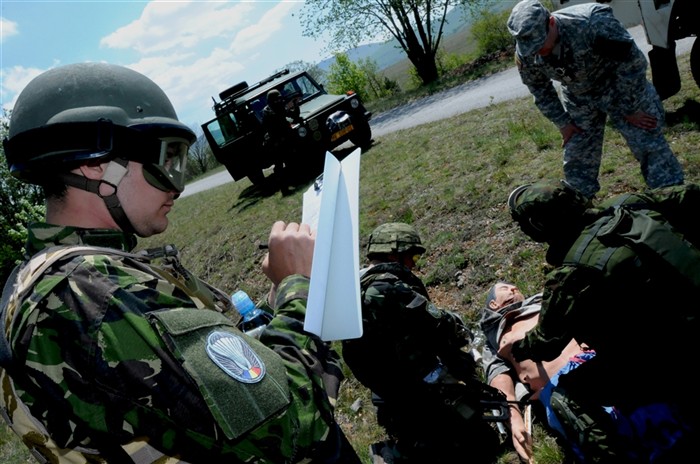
(116, 356)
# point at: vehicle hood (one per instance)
(320, 104)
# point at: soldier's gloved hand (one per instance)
(538, 350)
(519, 351)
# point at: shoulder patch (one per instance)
(235, 357)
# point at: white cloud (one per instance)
(190, 86)
(271, 22)
(14, 79)
(165, 26)
(7, 28)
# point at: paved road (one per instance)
(497, 88)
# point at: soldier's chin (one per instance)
(154, 228)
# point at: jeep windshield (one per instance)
(302, 87)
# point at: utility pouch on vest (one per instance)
(242, 381)
(651, 237)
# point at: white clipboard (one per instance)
(333, 311)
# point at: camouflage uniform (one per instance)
(602, 74)
(410, 355)
(619, 270)
(114, 356)
(615, 288)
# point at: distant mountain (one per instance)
(386, 54)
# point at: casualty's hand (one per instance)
(642, 120)
(290, 251)
(569, 131)
(522, 440)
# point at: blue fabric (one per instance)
(650, 430)
(546, 395)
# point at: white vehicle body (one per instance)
(664, 22)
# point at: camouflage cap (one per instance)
(528, 24)
(545, 209)
(394, 237)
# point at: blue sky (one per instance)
(192, 49)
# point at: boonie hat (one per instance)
(528, 24)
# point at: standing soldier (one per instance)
(280, 140)
(411, 357)
(602, 74)
(109, 356)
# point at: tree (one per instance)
(19, 204)
(344, 75)
(417, 25)
(490, 30)
(378, 86)
(199, 156)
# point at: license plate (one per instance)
(341, 133)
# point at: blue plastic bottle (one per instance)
(253, 319)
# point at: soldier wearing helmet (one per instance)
(548, 212)
(280, 139)
(410, 356)
(614, 268)
(107, 355)
(395, 241)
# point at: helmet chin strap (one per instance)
(115, 172)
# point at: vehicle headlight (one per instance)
(355, 103)
(301, 131)
(313, 124)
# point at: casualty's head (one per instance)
(103, 129)
(528, 25)
(395, 241)
(502, 294)
(548, 212)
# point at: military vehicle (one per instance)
(325, 121)
(664, 22)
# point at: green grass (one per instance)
(450, 179)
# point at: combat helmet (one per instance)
(547, 211)
(274, 98)
(100, 112)
(394, 237)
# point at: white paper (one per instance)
(333, 311)
(311, 205)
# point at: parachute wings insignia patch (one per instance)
(235, 357)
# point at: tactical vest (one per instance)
(632, 227)
(185, 330)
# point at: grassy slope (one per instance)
(450, 179)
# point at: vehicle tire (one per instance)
(695, 61)
(256, 177)
(362, 135)
(664, 71)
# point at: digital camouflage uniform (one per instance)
(410, 355)
(617, 288)
(602, 74)
(110, 349)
